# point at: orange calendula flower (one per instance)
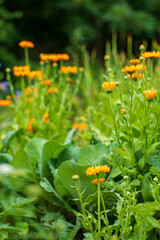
(69, 69)
(134, 61)
(54, 90)
(140, 75)
(21, 71)
(30, 125)
(45, 118)
(123, 111)
(54, 57)
(109, 86)
(150, 94)
(132, 68)
(97, 169)
(153, 54)
(46, 82)
(81, 126)
(26, 44)
(101, 180)
(5, 102)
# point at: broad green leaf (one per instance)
(66, 170)
(68, 154)
(45, 184)
(155, 161)
(5, 158)
(93, 155)
(34, 148)
(3, 235)
(51, 150)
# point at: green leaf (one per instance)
(93, 155)
(3, 235)
(45, 184)
(66, 170)
(34, 148)
(69, 136)
(5, 158)
(153, 146)
(75, 229)
(153, 221)
(21, 228)
(68, 154)
(135, 182)
(155, 162)
(51, 150)
(146, 208)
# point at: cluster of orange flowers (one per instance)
(150, 94)
(25, 71)
(133, 68)
(30, 125)
(54, 90)
(29, 99)
(21, 70)
(153, 54)
(81, 126)
(46, 82)
(101, 180)
(109, 86)
(26, 44)
(5, 102)
(69, 69)
(54, 57)
(35, 74)
(46, 118)
(97, 169)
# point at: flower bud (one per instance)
(8, 70)
(125, 177)
(75, 177)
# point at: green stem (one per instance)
(146, 130)
(83, 209)
(132, 139)
(26, 55)
(8, 77)
(22, 85)
(103, 204)
(114, 121)
(99, 207)
(151, 80)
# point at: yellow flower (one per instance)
(27, 44)
(81, 126)
(101, 180)
(97, 169)
(150, 94)
(109, 86)
(153, 54)
(134, 61)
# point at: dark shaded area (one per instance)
(64, 25)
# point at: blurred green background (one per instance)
(65, 25)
